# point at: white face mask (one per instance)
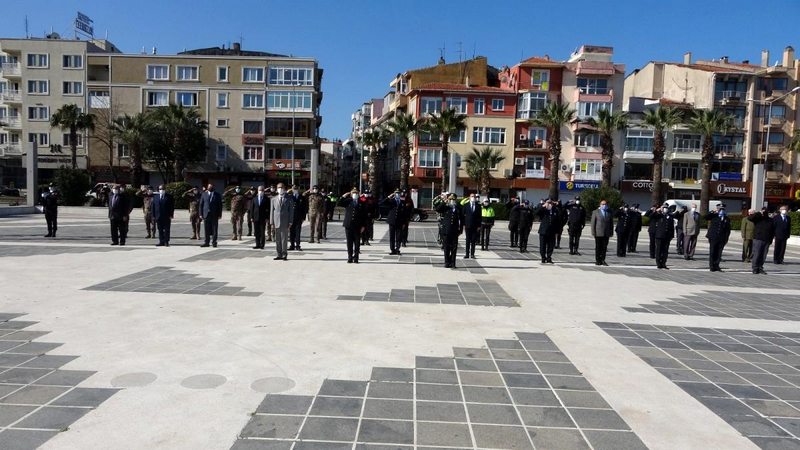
(281, 191)
(314, 191)
(52, 190)
(577, 202)
(473, 199)
(354, 195)
(260, 192)
(115, 191)
(161, 191)
(665, 210)
(694, 209)
(783, 212)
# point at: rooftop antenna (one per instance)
(27, 34)
(460, 51)
(474, 49)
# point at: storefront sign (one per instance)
(574, 186)
(739, 189)
(777, 190)
(280, 164)
(726, 176)
(640, 186)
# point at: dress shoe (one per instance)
(114, 243)
(159, 245)
(256, 247)
(277, 258)
(166, 244)
(472, 256)
(604, 263)
(578, 253)
(291, 248)
(447, 266)
(48, 235)
(122, 243)
(349, 261)
(355, 261)
(214, 245)
(466, 256)
(204, 245)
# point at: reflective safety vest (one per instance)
(487, 211)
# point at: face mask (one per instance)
(603, 207)
(314, 191)
(665, 210)
(115, 191)
(260, 192)
(354, 195)
(783, 212)
(161, 191)
(577, 202)
(52, 190)
(472, 199)
(485, 203)
(722, 213)
(451, 203)
(238, 190)
(694, 209)
(281, 191)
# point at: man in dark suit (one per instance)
(354, 223)
(472, 224)
(635, 217)
(623, 230)
(663, 232)
(782, 224)
(396, 219)
(259, 213)
(163, 209)
(602, 227)
(524, 224)
(211, 212)
(50, 209)
(719, 230)
(300, 209)
(764, 231)
(119, 210)
(576, 220)
(549, 224)
(452, 225)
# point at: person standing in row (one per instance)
(316, 212)
(163, 213)
(452, 227)
(651, 233)
(409, 217)
(748, 229)
(602, 228)
(636, 227)
(623, 230)
(524, 224)
(119, 210)
(679, 237)
(194, 211)
(146, 193)
(487, 222)
(210, 211)
(330, 207)
(719, 230)
(259, 212)
(782, 224)
(548, 215)
(396, 220)
(472, 224)
(691, 229)
(576, 221)
(562, 222)
(513, 221)
(354, 223)
(50, 209)
(299, 211)
(371, 208)
(663, 232)
(282, 213)
(238, 204)
(764, 231)
(248, 201)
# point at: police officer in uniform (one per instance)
(237, 210)
(524, 224)
(513, 221)
(623, 230)
(663, 232)
(487, 222)
(635, 217)
(396, 220)
(300, 210)
(316, 211)
(719, 230)
(146, 193)
(576, 220)
(452, 226)
(50, 207)
(548, 215)
(354, 223)
(472, 224)
(679, 235)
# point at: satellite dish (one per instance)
(53, 35)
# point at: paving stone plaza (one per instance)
(225, 348)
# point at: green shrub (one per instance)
(590, 198)
(500, 211)
(177, 190)
(72, 184)
(795, 222)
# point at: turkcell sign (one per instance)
(575, 186)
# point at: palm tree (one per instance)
(606, 125)
(374, 139)
(70, 117)
(480, 164)
(445, 124)
(132, 130)
(553, 117)
(184, 137)
(403, 126)
(661, 119)
(794, 145)
(708, 122)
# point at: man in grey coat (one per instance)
(602, 226)
(281, 213)
(691, 229)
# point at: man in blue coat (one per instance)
(163, 210)
(782, 225)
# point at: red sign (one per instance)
(778, 190)
(279, 164)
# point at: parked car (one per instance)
(419, 215)
(9, 191)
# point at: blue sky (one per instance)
(363, 44)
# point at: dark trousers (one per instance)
(715, 253)
(404, 235)
(747, 250)
(622, 243)
(759, 254)
(260, 227)
(163, 225)
(52, 222)
(472, 234)
(600, 249)
(119, 231)
(779, 251)
(249, 223)
(652, 245)
(353, 243)
(450, 249)
(394, 238)
(546, 244)
(211, 228)
(633, 240)
(679, 241)
(366, 236)
(689, 244)
(294, 234)
(486, 231)
(662, 252)
(514, 237)
(574, 239)
(325, 227)
(522, 239)
(558, 237)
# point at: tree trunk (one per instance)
(373, 169)
(608, 160)
(555, 160)
(708, 154)
(658, 162)
(136, 164)
(178, 170)
(445, 162)
(73, 146)
(405, 163)
(111, 162)
(485, 184)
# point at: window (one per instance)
(187, 98)
(303, 128)
(429, 137)
(593, 86)
(534, 166)
(72, 88)
(39, 138)
(222, 100)
(488, 135)
(588, 169)
(38, 60)
(730, 89)
(589, 109)
(222, 152)
(38, 87)
(78, 140)
(430, 105)
(222, 123)
(222, 74)
(187, 73)
(457, 103)
(540, 80)
(253, 153)
(775, 138)
(430, 157)
(537, 137)
(252, 100)
(289, 101)
(157, 72)
(777, 111)
(459, 136)
(291, 76)
(530, 104)
(479, 106)
(157, 98)
(638, 171)
(38, 113)
(123, 151)
(773, 84)
(587, 140)
(684, 171)
(99, 99)
(252, 127)
(498, 104)
(639, 140)
(72, 62)
(775, 165)
(252, 74)
(685, 142)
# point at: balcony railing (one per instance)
(11, 96)
(728, 150)
(11, 149)
(531, 143)
(595, 90)
(776, 121)
(639, 148)
(732, 96)
(11, 121)
(530, 114)
(10, 69)
(534, 173)
(738, 123)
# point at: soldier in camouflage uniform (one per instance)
(194, 214)
(237, 211)
(316, 212)
(147, 208)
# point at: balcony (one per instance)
(777, 122)
(427, 172)
(775, 149)
(252, 139)
(686, 153)
(11, 149)
(535, 173)
(12, 122)
(10, 70)
(638, 153)
(531, 144)
(731, 97)
(727, 151)
(594, 94)
(10, 97)
(738, 123)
